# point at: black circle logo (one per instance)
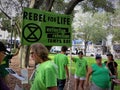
(32, 32)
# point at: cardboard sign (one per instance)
(48, 28)
(13, 73)
(24, 73)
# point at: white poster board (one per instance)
(24, 73)
(13, 73)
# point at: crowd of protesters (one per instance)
(53, 74)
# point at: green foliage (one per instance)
(116, 35)
(96, 5)
(59, 6)
(92, 26)
(5, 23)
(115, 24)
(99, 31)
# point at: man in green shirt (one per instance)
(61, 61)
(45, 77)
(80, 70)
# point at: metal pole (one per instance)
(68, 87)
(11, 36)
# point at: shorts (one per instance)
(81, 78)
(95, 87)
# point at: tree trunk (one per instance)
(27, 56)
(15, 38)
(32, 4)
(71, 6)
(49, 4)
(85, 48)
(18, 29)
(37, 4)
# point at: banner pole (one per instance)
(68, 88)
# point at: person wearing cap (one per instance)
(100, 75)
(112, 66)
(5, 57)
(80, 70)
(3, 86)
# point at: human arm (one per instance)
(88, 75)
(115, 68)
(67, 72)
(116, 73)
(66, 68)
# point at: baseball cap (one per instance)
(3, 48)
(98, 56)
(109, 54)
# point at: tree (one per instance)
(115, 24)
(92, 27)
(5, 23)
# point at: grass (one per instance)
(90, 61)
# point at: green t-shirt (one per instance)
(61, 61)
(5, 64)
(80, 69)
(100, 76)
(45, 76)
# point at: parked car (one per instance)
(55, 49)
(90, 53)
(72, 52)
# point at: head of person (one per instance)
(110, 57)
(80, 54)
(2, 51)
(98, 59)
(39, 53)
(64, 49)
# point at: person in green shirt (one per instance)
(100, 75)
(80, 70)
(5, 63)
(61, 60)
(45, 76)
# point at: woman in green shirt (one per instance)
(45, 77)
(80, 70)
(100, 75)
